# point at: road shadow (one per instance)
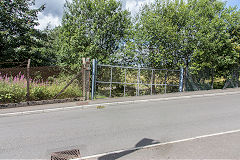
(142, 143)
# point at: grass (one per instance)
(13, 89)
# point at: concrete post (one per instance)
(86, 78)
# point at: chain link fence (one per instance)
(207, 79)
(45, 83)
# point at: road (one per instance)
(116, 127)
(221, 146)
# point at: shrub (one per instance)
(13, 89)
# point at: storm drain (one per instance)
(66, 155)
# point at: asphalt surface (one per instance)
(116, 127)
(113, 100)
(216, 147)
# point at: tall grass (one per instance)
(14, 89)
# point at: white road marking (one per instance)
(115, 103)
(159, 144)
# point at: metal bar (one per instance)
(84, 81)
(68, 85)
(165, 88)
(103, 65)
(111, 83)
(125, 82)
(138, 86)
(181, 80)
(137, 83)
(152, 82)
(115, 82)
(96, 75)
(93, 78)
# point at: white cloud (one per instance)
(51, 15)
(48, 19)
(54, 10)
(134, 5)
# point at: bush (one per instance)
(13, 89)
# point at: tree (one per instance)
(193, 34)
(45, 53)
(92, 28)
(17, 31)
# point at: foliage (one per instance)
(17, 32)
(13, 89)
(91, 28)
(193, 33)
(45, 53)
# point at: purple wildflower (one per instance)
(15, 79)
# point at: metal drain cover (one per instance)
(66, 155)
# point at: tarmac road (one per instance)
(116, 127)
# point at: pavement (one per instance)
(150, 120)
(225, 146)
(115, 101)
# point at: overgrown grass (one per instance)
(14, 90)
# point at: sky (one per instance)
(53, 12)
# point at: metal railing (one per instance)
(97, 75)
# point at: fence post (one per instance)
(139, 79)
(125, 82)
(28, 79)
(181, 79)
(86, 78)
(94, 65)
(152, 82)
(165, 82)
(88, 69)
(110, 95)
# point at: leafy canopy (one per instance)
(92, 28)
(17, 32)
(194, 33)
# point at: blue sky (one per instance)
(54, 10)
(234, 3)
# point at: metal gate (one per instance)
(143, 80)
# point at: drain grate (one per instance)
(66, 155)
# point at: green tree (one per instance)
(45, 53)
(193, 33)
(92, 28)
(215, 49)
(17, 32)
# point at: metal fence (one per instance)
(111, 81)
(206, 79)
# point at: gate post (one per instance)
(28, 81)
(94, 66)
(86, 78)
(181, 79)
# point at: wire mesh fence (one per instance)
(54, 82)
(207, 79)
(45, 83)
(117, 81)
